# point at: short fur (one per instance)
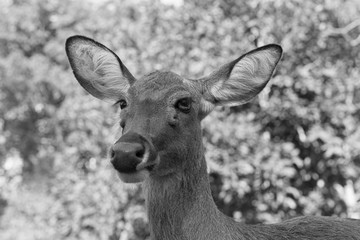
(177, 190)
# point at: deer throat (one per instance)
(181, 207)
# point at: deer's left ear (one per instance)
(241, 80)
(98, 70)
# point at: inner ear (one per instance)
(242, 79)
(98, 70)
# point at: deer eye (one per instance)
(122, 103)
(184, 105)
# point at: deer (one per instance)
(161, 143)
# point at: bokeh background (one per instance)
(294, 150)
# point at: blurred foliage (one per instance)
(293, 151)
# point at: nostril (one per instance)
(140, 153)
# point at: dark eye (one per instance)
(184, 105)
(122, 103)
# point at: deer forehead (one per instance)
(160, 87)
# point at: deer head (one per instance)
(161, 112)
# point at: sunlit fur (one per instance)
(177, 191)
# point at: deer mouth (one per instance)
(141, 173)
(136, 177)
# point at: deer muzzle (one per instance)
(134, 157)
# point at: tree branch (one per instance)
(345, 32)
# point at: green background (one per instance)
(294, 150)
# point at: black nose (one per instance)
(127, 153)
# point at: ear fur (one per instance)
(98, 69)
(241, 80)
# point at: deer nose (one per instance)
(132, 153)
(125, 156)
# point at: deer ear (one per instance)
(241, 80)
(98, 70)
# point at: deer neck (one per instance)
(181, 206)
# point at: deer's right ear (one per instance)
(98, 70)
